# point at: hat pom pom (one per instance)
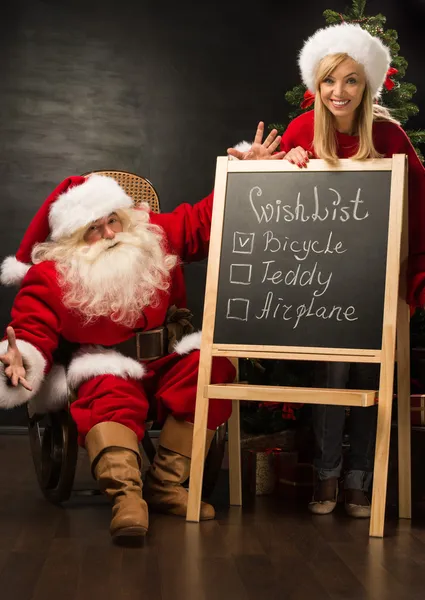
(12, 271)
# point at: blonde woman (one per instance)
(346, 67)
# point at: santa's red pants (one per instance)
(171, 380)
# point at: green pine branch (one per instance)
(358, 8)
(417, 136)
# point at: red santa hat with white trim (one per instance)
(75, 203)
(350, 39)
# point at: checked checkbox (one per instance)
(243, 243)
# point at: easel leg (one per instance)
(383, 432)
(234, 444)
(198, 444)
(403, 404)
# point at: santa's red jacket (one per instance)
(40, 318)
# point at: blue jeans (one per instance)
(329, 423)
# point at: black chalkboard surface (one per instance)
(303, 259)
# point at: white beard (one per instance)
(116, 278)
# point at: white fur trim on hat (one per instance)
(12, 271)
(53, 394)
(91, 361)
(97, 197)
(351, 39)
(243, 146)
(188, 343)
(34, 363)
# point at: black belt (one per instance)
(145, 345)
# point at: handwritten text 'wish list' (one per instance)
(303, 265)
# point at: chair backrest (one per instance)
(138, 188)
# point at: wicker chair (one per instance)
(53, 436)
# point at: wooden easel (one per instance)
(395, 328)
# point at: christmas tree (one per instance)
(396, 95)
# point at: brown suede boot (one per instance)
(114, 455)
(164, 491)
(325, 496)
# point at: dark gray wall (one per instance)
(156, 88)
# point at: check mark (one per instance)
(243, 243)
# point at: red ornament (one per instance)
(288, 410)
(308, 99)
(389, 83)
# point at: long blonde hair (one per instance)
(325, 142)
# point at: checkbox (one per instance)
(243, 243)
(240, 274)
(237, 308)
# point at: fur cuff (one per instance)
(12, 271)
(91, 361)
(188, 343)
(243, 146)
(34, 363)
(53, 394)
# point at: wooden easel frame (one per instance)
(396, 317)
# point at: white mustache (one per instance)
(92, 251)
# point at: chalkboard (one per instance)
(303, 259)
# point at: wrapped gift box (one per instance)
(417, 409)
(263, 458)
(281, 439)
(296, 482)
(259, 471)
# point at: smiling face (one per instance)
(341, 90)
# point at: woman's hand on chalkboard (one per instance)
(298, 156)
(261, 150)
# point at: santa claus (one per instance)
(107, 279)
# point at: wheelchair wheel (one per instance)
(54, 449)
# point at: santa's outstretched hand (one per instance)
(12, 360)
(260, 150)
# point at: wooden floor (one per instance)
(267, 550)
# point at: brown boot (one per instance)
(325, 496)
(114, 455)
(164, 491)
(357, 504)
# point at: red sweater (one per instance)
(389, 139)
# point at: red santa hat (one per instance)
(350, 39)
(76, 202)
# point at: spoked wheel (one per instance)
(54, 449)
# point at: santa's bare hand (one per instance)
(260, 150)
(12, 360)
